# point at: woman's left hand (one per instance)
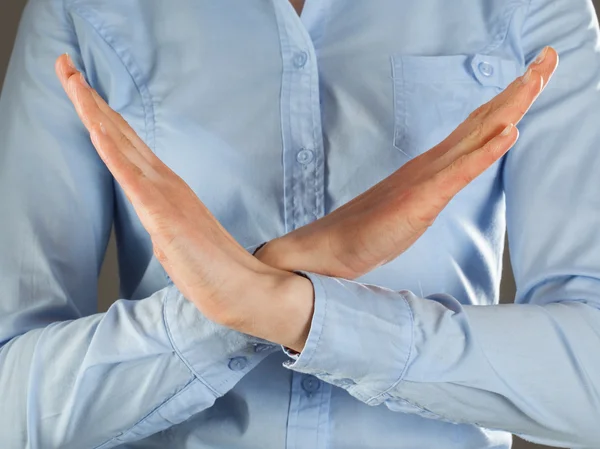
(228, 285)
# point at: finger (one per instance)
(465, 169)
(67, 73)
(127, 130)
(507, 107)
(132, 172)
(512, 103)
(66, 70)
(92, 115)
(144, 194)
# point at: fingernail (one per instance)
(70, 61)
(102, 128)
(506, 131)
(83, 80)
(541, 56)
(527, 76)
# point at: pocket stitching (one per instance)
(398, 130)
(399, 82)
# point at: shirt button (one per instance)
(300, 59)
(311, 384)
(486, 68)
(305, 156)
(259, 347)
(238, 363)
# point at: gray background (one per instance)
(108, 288)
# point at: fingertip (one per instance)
(510, 133)
(554, 54)
(59, 68)
(57, 65)
(65, 71)
(552, 60)
(507, 130)
(515, 134)
(65, 65)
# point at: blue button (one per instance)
(238, 363)
(486, 68)
(305, 156)
(300, 59)
(311, 384)
(345, 382)
(259, 347)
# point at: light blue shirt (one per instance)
(275, 120)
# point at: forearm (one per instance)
(526, 369)
(64, 385)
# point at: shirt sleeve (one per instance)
(531, 368)
(69, 377)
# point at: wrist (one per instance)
(286, 310)
(274, 253)
(299, 297)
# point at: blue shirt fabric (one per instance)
(275, 120)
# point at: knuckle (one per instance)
(413, 224)
(444, 186)
(517, 107)
(123, 140)
(491, 153)
(481, 112)
(521, 109)
(489, 148)
(459, 172)
(118, 117)
(418, 217)
(476, 132)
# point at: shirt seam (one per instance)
(525, 20)
(177, 350)
(119, 437)
(502, 34)
(132, 70)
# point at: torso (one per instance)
(229, 94)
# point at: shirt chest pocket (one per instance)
(434, 94)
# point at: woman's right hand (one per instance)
(380, 224)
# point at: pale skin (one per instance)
(260, 295)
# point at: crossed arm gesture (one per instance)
(262, 296)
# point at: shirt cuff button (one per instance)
(238, 363)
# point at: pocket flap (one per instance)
(487, 70)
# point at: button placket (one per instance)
(305, 139)
(303, 166)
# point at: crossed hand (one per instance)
(261, 295)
